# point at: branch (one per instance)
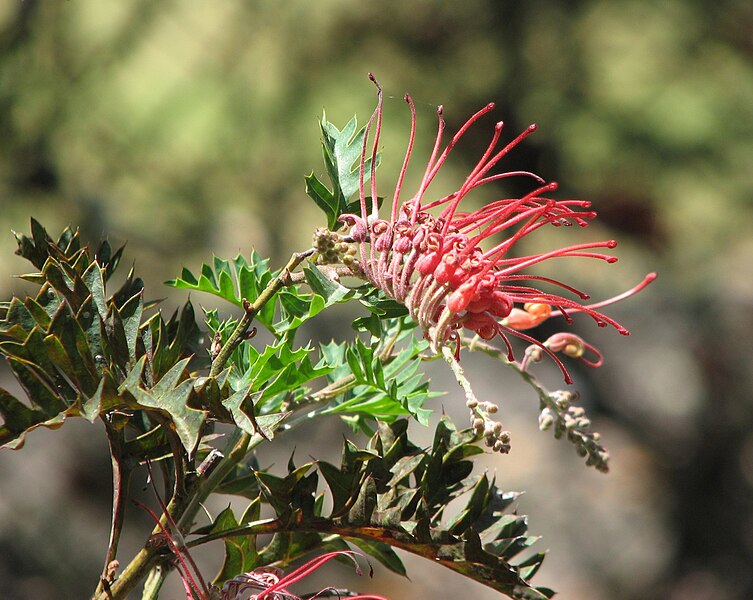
(501, 576)
(475, 344)
(252, 309)
(120, 475)
(494, 433)
(557, 411)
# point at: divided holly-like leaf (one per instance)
(235, 281)
(243, 279)
(393, 494)
(387, 386)
(77, 352)
(342, 155)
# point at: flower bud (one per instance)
(501, 447)
(546, 419)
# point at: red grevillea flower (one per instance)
(449, 267)
(272, 584)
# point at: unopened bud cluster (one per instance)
(332, 249)
(571, 422)
(495, 436)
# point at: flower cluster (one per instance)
(450, 268)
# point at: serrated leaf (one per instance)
(364, 504)
(341, 150)
(240, 551)
(383, 553)
(19, 420)
(341, 485)
(103, 399)
(404, 467)
(384, 391)
(37, 387)
(292, 493)
(19, 315)
(175, 339)
(375, 508)
(17, 417)
(130, 315)
(94, 282)
(117, 348)
(293, 377)
(530, 566)
(241, 407)
(240, 483)
(323, 198)
(379, 304)
(342, 153)
(330, 290)
(170, 397)
(70, 347)
(475, 507)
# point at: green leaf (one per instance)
(385, 391)
(170, 395)
(174, 340)
(37, 387)
(68, 343)
(330, 290)
(233, 281)
(130, 315)
(103, 399)
(240, 482)
(19, 315)
(292, 493)
(241, 407)
(240, 551)
(364, 504)
(17, 419)
(383, 553)
(324, 199)
(94, 282)
(342, 156)
(341, 485)
(293, 377)
(77, 352)
(379, 304)
(378, 507)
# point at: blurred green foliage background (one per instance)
(185, 129)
